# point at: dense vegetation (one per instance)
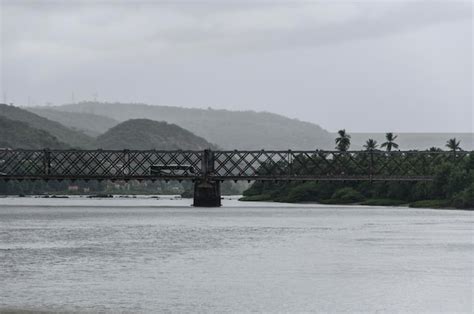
(149, 134)
(453, 185)
(17, 134)
(63, 134)
(228, 129)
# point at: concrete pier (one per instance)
(207, 194)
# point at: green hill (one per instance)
(63, 134)
(228, 129)
(17, 134)
(90, 124)
(149, 134)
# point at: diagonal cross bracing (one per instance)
(224, 165)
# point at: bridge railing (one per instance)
(222, 165)
(99, 164)
(330, 165)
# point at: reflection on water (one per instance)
(143, 255)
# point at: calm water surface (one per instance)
(148, 255)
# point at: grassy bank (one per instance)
(257, 198)
(383, 202)
(431, 204)
(367, 202)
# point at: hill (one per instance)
(228, 129)
(17, 134)
(149, 134)
(419, 141)
(63, 134)
(90, 124)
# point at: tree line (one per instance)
(343, 142)
(452, 187)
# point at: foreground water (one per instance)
(148, 255)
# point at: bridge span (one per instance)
(208, 168)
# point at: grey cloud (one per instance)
(107, 26)
(301, 59)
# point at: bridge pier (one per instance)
(207, 194)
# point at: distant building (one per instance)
(73, 188)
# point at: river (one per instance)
(150, 255)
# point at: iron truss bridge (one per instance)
(218, 166)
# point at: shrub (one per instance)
(347, 195)
(383, 202)
(430, 204)
(465, 199)
(302, 193)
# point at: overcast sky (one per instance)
(403, 66)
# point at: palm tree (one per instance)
(390, 143)
(453, 145)
(343, 141)
(370, 144)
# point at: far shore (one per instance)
(424, 204)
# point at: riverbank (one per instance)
(386, 202)
(428, 204)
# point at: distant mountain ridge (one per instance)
(228, 129)
(20, 128)
(68, 136)
(149, 134)
(233, 136)
(90, 124)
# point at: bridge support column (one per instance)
(207, 194)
